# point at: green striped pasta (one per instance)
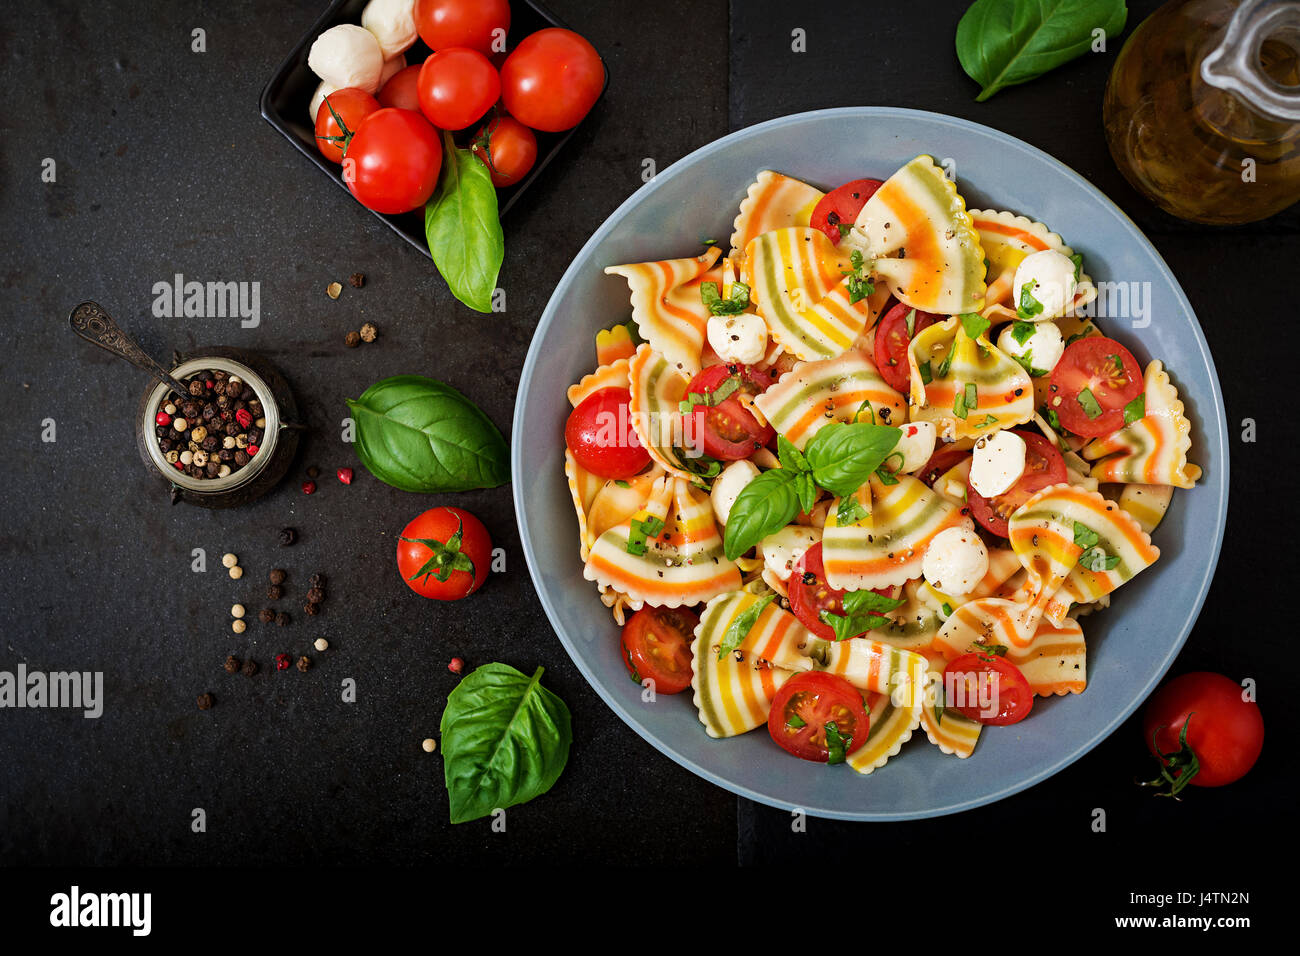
(1153, 449)
(773, 201)
(667, 307)
(776, 637)
(658, 388)
(732, 695)
(813, 394)
(891, 724)
(1146, 503)
(952, 732)
(1003, 391)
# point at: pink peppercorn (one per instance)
(309, 487)
(282, 662)
(456, 665)
(345, 475)
(163, 419)
(252, 450)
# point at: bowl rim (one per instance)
(1214, 424)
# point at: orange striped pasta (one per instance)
(613, 375)
(614, 344)
(657, 389)
(813, 394)
(772, 202)
(949, 730)
(667, 307)
(891, 722)
(1153, 449)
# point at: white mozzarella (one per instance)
(956, 561)
(728, 486)
(1050, 278)
(1041, 351)
(738, 338)
(783, 548)
(997, 463)
(347, 55)
(916, 445)
(393, 24)
(322, 91)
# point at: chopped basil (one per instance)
(844, 228)
(1053, 419)
(1088, 402)
(849, 512)
(622, 484)
(926, 375)
(708, 399)
(795, 721)
(997, 650)
(1096, 560)
(1021, 331)
(975, 325)
(836, 744)
(1026, 362)
(864, 610)
(1084, 536)
(1135, 409)
(885, 476)
(859, 285)
(946, 364)
(871, 412)
(947, 609)
(701, 465)
(972, 397)
(959, 405)
(648, 527)
(1083, 333)
(1029, 306)
(988, 420)
(744, 622)
(736, 303)
(910, 321)
(1077, 259)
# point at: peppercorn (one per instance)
(196, 388)
(266, 615)
(241, 457)
(236, 572)
(282, 619)
(309, 487)
(249, 668)
(344, 475)
(369, 332)
(333, 290)
(321, 644)
(205, 700)
(357, 280)
(276, 576)
(352, 340)
(316, 595)
(455, 665)
(311, 610)
(229, 560)
(287, 537)
(313, 471)
(317, 580)
(274, 592)
(304, 663)
(238, 626)
(282, 662)
(233, 664)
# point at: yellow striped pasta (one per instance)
(1146, 503)
(1153, 449)
(667, 307)
(777, 637)
(658, 387)
(952, 732)
(772, 202)
(813, 394)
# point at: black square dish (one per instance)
(286, 98)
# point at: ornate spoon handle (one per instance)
(92, 323)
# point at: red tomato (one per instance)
(810, 595)
(402, 91)
(349, 105)
(457, 86)
(986, 688)
(1108, 371)
(507, 147)
(892, 340)
(477, 24)
(447, 542)
(599, 432)
(657, 644)
(803, 707)
(1043, 466)
(552, 79)
(393, 161)
(727, 431)
(1225, 733)
(842, 206)
(944, 457)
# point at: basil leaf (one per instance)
(863, 611)
(844, 456)
(766, 504)
(795, 721)
(947, 609)
(417, 434)
(1077, 259)
(737, 302)
(974, 324)
(1029, 305)
(910, 321)
(1084, 536)
(1022, 330)
(1095, 560)
(1004, 42)
(869, 602)
(739, 629)
(1135, 409)
(641, 531)
(807, 492)
(790, 456)
(1088, 402)
(463, 228)
(946, 364)
(505, 740)
(1026, 362)
(927, 376)
(997, 650)
(850, 511)
(836, 745)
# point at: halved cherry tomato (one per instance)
(727, 430)
(810, 595)
(402, 91)
(351, 106)
(393, 161)
(984, 687)
(892, 340)
(476, 24)
(944, 457)
(457, 86)
(599, 432)
(657, 645)
(1110, 374)
(507, 147)
(841, 206)
(803, 707)
(1043, 466)
(1225, 732)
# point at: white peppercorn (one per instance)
(238, 626)
(236, 572)
(237, 610)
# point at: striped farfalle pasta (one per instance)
(1006, 239)
(613, 375)
(583, 488)
(951, 731)
(920, 240)
(956, 364)
(799, 289)
(615, 343)
(1042, 536)
(912, 626)
(683, 564)
(1004, 563)
(1051, 656)
(886, 546)
(733, 696)
(616, 502)
(667, 307)
(813, 394)
(658, 387)
(1146, 503)
(776, 636)
(773, 201)
(871, 665)
(1153, 449)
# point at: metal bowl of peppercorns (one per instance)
(226, 441)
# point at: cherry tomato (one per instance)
(803, 707)
(552, 79)
(943, 459)
(892, 340)
(507, 147)
(476, 24)
(351, 106)
(986, 688)
(393, 161)
(1225, 733)
(810, 595)
(1043, 466)
(447, 542)
(657, 644)
(599, 432)
(842, 205)
(457, 86)
(1111, 375)
(727, 430)
(402, 91)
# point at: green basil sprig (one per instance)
(842, 456)
(766, 504)
(418, 434)
(1001, 43)
(863, 611)
(505, 740)
(463, 227)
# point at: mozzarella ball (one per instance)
(347, 55)
(728, 486)
(391, 68)
(916, 445)
(1050, 278)
(322, 91)
(393, 24)
(956, 561)
(997, 463)
(781, 549)
(738, 338)
(1041, 351)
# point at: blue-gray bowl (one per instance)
(1130, 645)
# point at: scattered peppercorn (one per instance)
(321, 644)
(317, 580)
(236, 572)
(277, 576)
(266, 615)
(282, 619)
(455, 665)
(304, 663)
(229, 560)
(238, 625)
(274, 592)
(334, 290)
(352, 340)
(357, 279)
(368, 332)
(206, 701)
(345, 475)
(313, 471)
(237, 610)
(311, 610)
(316, 595)
(309, 487)
(249, 668)
(429, 745)
(233, 664)
(282, 662)
(287, 537)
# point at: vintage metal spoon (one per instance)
(92, 323)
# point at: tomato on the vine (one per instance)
(444, 553)
(393, 161)
(507, 147)
(657, 645)
(457, 86)
(349, 105)
(601, 437)
(1203, 730)
(818, 716)
(552, 79)
(477, 24)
